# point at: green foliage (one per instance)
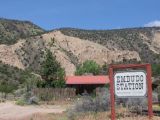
(156, 69)
(59, 83)
(50, 67)
(31, 80)
(52, 71)
(88, 66)
(10, 78)
(104, 69)
(21, 102)
(41, 84)
(107, 86)
(7, 87)
(12, 30)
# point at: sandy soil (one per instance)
(10, 111)
(8, 55)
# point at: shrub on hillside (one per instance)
(7, 87)
(89, 66)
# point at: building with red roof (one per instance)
(86, 83)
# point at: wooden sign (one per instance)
(123, 84)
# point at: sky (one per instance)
(85, 14)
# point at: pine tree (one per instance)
(52, 71)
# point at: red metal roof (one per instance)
(87, 80)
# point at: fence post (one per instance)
(112, 94)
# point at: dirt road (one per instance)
(10, 111)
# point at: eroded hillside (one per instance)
(79, 50)
(144, 41)
(23, 45)
(69, 51)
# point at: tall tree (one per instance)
(52, 71)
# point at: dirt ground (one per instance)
(10, 111)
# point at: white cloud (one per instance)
(155, 23)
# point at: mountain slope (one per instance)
(69, 51)
(74, 46)
(145, 41)
(12, 30)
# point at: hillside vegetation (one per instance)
(12, 30)
(27, 43)
(141, 40)
(10, 78)
(31, 58)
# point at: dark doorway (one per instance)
(80, 89)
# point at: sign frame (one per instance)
(149, 85)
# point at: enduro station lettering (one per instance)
(130, 84)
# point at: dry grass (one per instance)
(122, 114)
(156, 107)
(37, 116)
(84, 116)
(105, 116)
(40, 116)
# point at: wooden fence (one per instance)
(47, 94)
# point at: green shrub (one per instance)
(7, 87)
(21, 102)
(88, 66)
(156, 69)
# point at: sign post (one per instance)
(130, 84)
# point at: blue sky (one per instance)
(87, 14)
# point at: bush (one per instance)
(156, 69)
(33, 100)
(136, 104)
(19, 92)
(89, 104)
(88, 66)
(154, 97)
(21, 102)
(59, 83)
(7, 88)
(27, 101)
